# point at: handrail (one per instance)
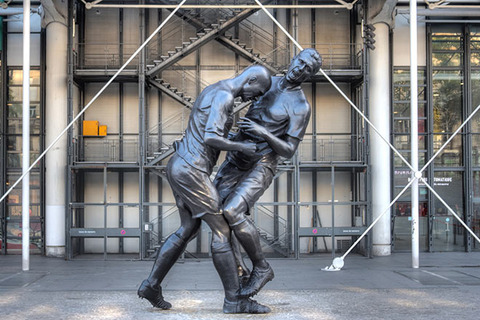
(106, 149)
(269, 213)
(333, 147)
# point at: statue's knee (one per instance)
(233, 216)
(220, 245)
(188, 231)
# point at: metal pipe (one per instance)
(209, 6)
(414, 132)
(449, 21)
(452, 12)
(26, 139)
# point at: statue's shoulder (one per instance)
(302, 107)
(216, 95)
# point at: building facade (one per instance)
(101, 190)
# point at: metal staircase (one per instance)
(170, 91)
(207, 33)
(266, 222)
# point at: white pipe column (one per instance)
(55, 122)
(414, 133)
(379, 104)
(26, 139)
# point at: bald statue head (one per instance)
(256, 81)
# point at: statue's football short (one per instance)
(249, 184)
(192, 188)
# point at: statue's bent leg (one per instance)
(222, 254)
(246, 193)
(226, 266)
(243, 270)
(234, 210)
(167, 255)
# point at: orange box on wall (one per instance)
(102, 130)
(90, 128)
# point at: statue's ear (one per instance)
(252, 80)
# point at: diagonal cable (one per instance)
(416, 174)
(339, 90)
(378, 218)
(93, 99)
(450, 139)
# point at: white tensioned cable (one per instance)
(433, 158)
(377, 219)
(383, 138)
(418, 176)
(362, 115)
(338, 89)
(450, 139)
(93, 99)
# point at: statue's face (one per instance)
(254, 89)
(301, 68)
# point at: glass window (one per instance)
(402, 109)
(403, 126)
(15, 77)
(402, 226)
(447, 232)
(402, 142)
(475, 91)
(16, 25)
(15, 93)
(14, 143)
(476, 149)
(476, 224)
(451, 156)
(15, 126)
(15, 49)
(13, 111)
(449, 59)
(406, 154)
(447, 41)
(401, 115)
(447, 100)
(475, 46)
(447, 48)
(476, 186)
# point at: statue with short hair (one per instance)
(277, 124)
(188, 172)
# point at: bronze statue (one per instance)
(188, 172)
(276, 123)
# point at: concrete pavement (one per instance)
(447, 285)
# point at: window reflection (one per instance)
(447, 100)
(452, 154)
(476, 224)
(475, 46)
(447, 49)
(16, 77)
(402, 226)
(448, 233)
(475, 92)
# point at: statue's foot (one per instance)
(243, 280)
(154, 296)
(258, 278)
(244, 305)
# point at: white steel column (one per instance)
(379, 104)
(26, 139)
(414, 132)
(55, 122)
